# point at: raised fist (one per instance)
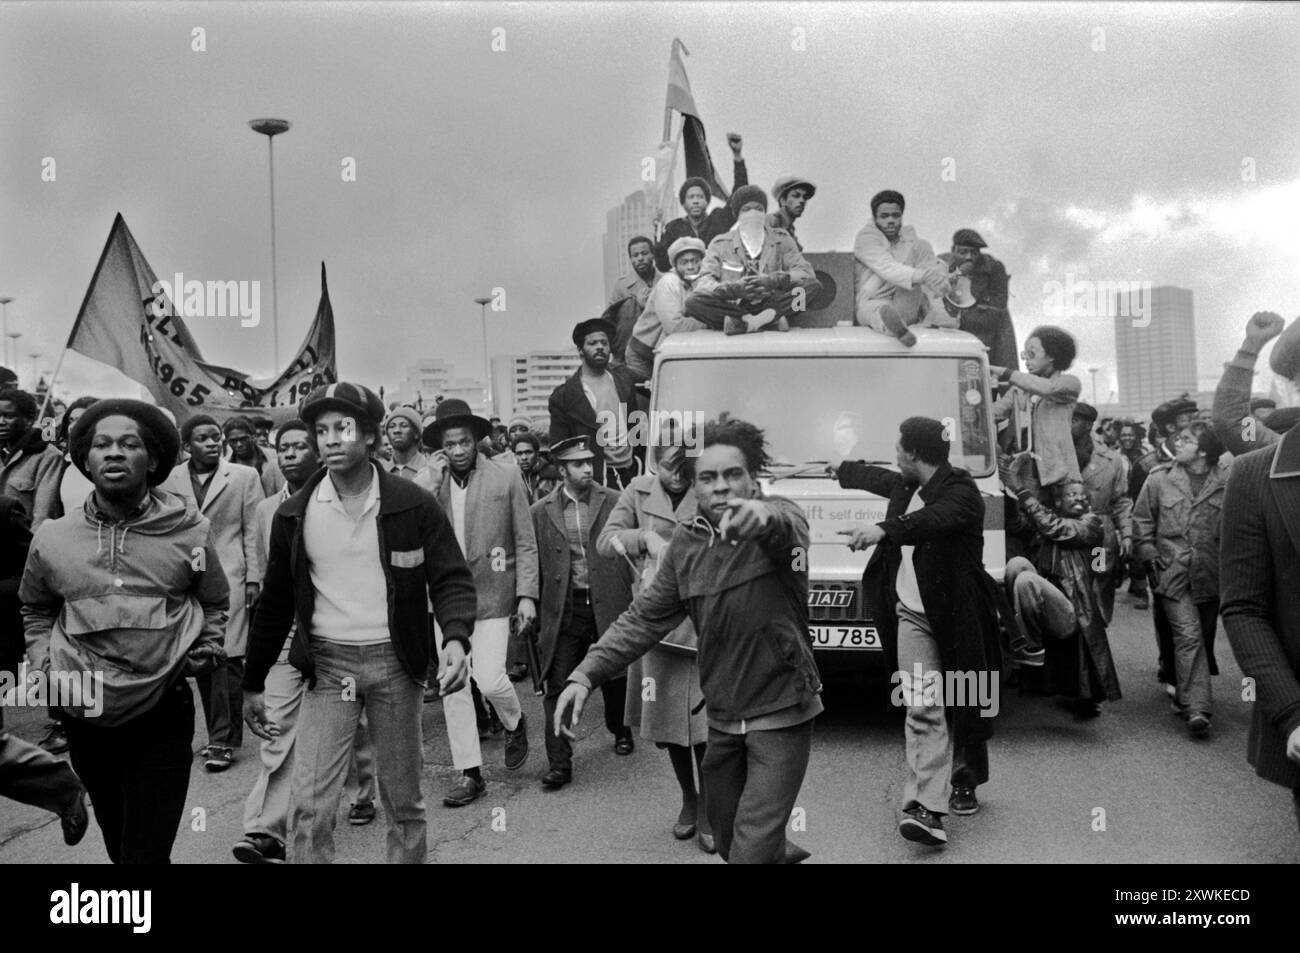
(1262, 327)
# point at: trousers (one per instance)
(489, 645)
(223, 702)
(31, 775)
(1191, 662)
(713, 310)
(571, 646)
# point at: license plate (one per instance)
(862, 637)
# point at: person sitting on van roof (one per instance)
(792, 196)
(988, 318)
(699, 222)
(893, 270)
(754, 276)
(665, 313)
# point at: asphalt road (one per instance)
(1165, 797)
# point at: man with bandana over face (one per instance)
(753, 277)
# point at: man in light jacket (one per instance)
(893, 271)
(665, 312)
(129, 590)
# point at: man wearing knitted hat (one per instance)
(699, 222)
(402, 427)
(355, 557)
(894, 270)
(753, 277)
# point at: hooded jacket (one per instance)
(126, 599)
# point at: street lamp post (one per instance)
(4, 319)
(487, 364)
(35, 356)
(1093, 371)
(272, 128)
(13, 336)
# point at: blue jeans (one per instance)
(348, 679)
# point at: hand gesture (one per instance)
(862, 537)
(735, 141)
(744, 519)
(1262, 327)
(573, 695)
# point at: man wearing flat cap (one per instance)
(582, 593)
(488, 505)
(754, 277)
(988, 318)
(699, 222)
(1260, 552)
(355, 558)
(665, 313)
(595, 403)
(792, 195)
(130, 588)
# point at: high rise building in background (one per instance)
(634, 217)
(1156, 362)
(430, 379)
(524, 382)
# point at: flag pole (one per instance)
(49, 391)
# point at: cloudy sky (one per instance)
(1120, 142)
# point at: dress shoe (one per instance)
(921, 826)
(896, 326)
(555, 779)
(464, 791)
(624, 744)
(258, 849)
(706, 843)
(75, 820)
(963, 800)
(219, 758)
(683, 831)
(517, 745)
(361, 813)
(733, 326)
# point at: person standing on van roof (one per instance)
(699, 222)
(988, 318)
(665, 313)
(937, 610)
(753, 277)
(792, 196)
(893, 271)
(1051, 395)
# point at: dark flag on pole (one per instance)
(698, 161)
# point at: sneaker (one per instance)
(204, 752)
(219, 758)
(898, 328)
(258, 849)
(757, 322)
(1198, 725)
(517, 745)
(556, 778)
(1170, 690)
(963, 801)
(921, 826)
(1030, 658)
(362, 813)
(465, 791)
(75, 820)
(733, 326)
(55, 740)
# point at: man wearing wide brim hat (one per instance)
(582, 592)
(698, 222)
(792, 194)
(596, 402)
(488, 506)
(134, 577)
(980, 301)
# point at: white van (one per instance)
(813, 389)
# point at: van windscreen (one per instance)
(811, 408)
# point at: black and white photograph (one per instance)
(634, 433)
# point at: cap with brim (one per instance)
(685, 244)
(1282, 419)
(572, 448)
(453, 412)
(590, 326)
(1167, 412)
(968, 237)
(346, 398)
(788, 182)
(1085, 411)
(146, 415)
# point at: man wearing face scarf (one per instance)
(753, 277)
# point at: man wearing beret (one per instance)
(355, 557)
(792, 195)
(988, 318)
(1260, 553)
(130, 588)
(595, 402)
(699, 222)
(753, 277)
(893, 271)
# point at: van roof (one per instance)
(821, 342)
